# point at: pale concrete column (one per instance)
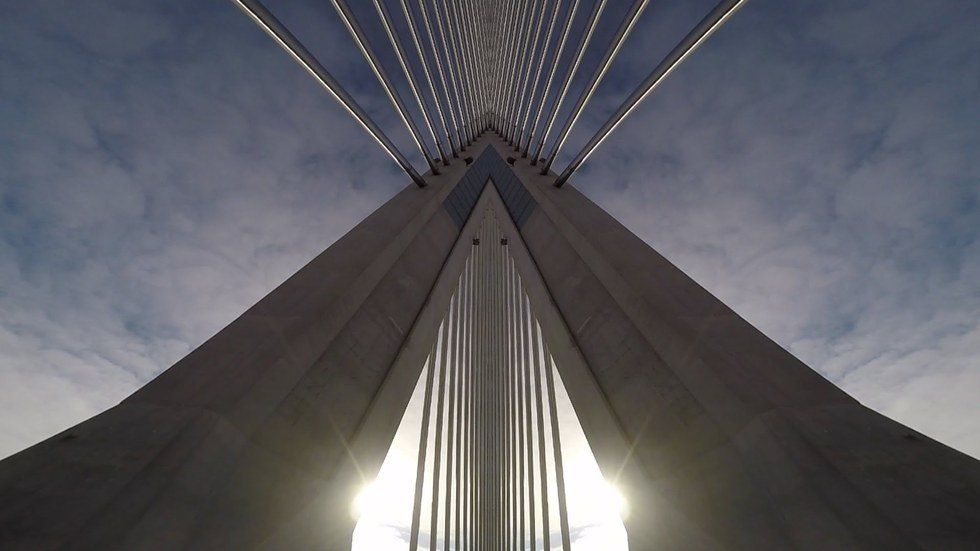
(566, 543)
(495, 381)
(470, 404)
(431, 368)
(527, 350)
(451, 536)
(542, 450)
(483, 377)
(519, 384)
(511, 401)
(445, 365)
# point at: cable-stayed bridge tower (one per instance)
(494, 282)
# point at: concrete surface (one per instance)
(719, 438)
(748, 445)
(253, 428)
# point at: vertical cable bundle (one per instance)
(490, 444)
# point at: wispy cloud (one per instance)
(163, 168)
(816, 168)
(163, 165)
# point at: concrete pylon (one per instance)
(719, 438)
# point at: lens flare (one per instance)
(615, 501)
(365, 500)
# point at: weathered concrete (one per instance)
(751, 447)
(264, 420)
(719, 438)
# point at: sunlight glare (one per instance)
(365, 499)
(389, 496)
(615, 501)
(591, 498)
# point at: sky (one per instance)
(596, 507)
(163, 165)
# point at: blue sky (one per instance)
(163, 165)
